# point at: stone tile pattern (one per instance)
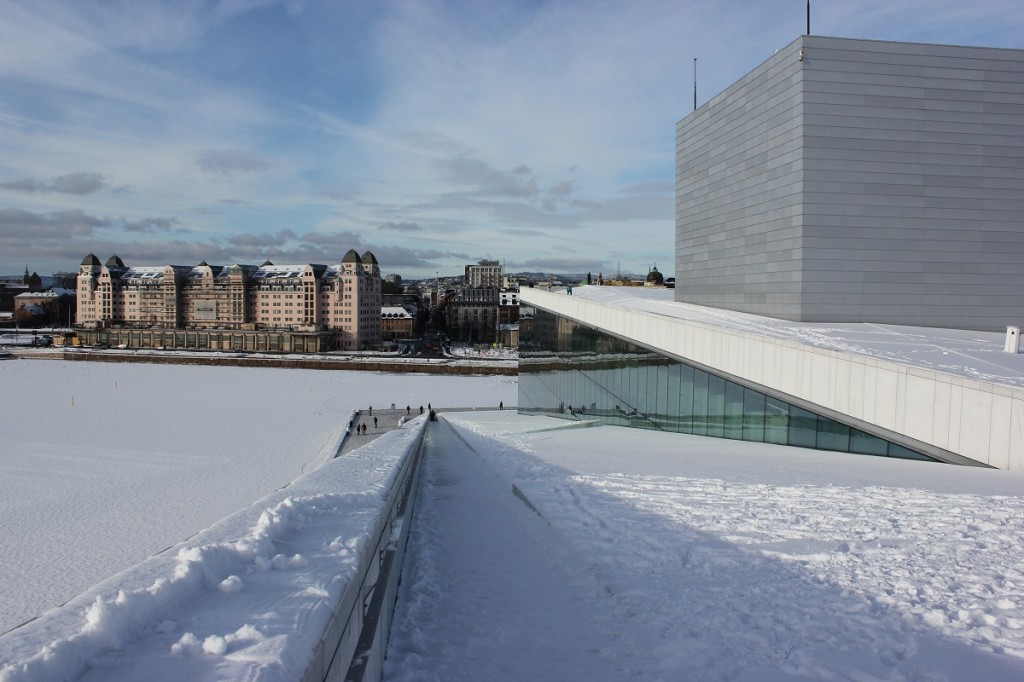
(864, 181)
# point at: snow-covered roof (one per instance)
(198, 271)
(394, 311)
(973, 354)
(279, 271)
(53, 292)
(144, 272)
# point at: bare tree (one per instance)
(65, 280)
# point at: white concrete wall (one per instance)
(975, 419)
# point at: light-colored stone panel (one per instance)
(999, 428)
(975, 424)
(919, 407)
(956, 415)
(840, 389)
(1015, 461)
(942, 412)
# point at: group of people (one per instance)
(361, 428)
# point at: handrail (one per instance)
(355, 639)
(368, 660)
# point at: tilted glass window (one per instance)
(573, 371)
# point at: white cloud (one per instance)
(424, 130)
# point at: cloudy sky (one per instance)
(432, 132)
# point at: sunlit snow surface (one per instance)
(105, 464)
(704, 559)
(645, 555)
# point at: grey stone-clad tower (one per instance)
(854, 180)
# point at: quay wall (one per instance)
(397, 365)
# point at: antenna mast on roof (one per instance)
(695, 84)
(808, 17)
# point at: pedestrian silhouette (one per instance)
(374, 422)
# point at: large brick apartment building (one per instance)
(299, 308)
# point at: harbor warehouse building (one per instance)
(857, 180)
(849, 257)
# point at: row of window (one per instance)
(568, 369)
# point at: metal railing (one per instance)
(355, 640)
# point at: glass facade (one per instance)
(571, 370)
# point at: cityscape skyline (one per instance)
(433, 134)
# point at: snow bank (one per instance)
(250, 597)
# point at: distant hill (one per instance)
(573, 277)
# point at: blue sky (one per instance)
(433, 133)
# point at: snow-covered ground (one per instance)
(664, 556)
(103, 465)
(247, 599)
(540, 549)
